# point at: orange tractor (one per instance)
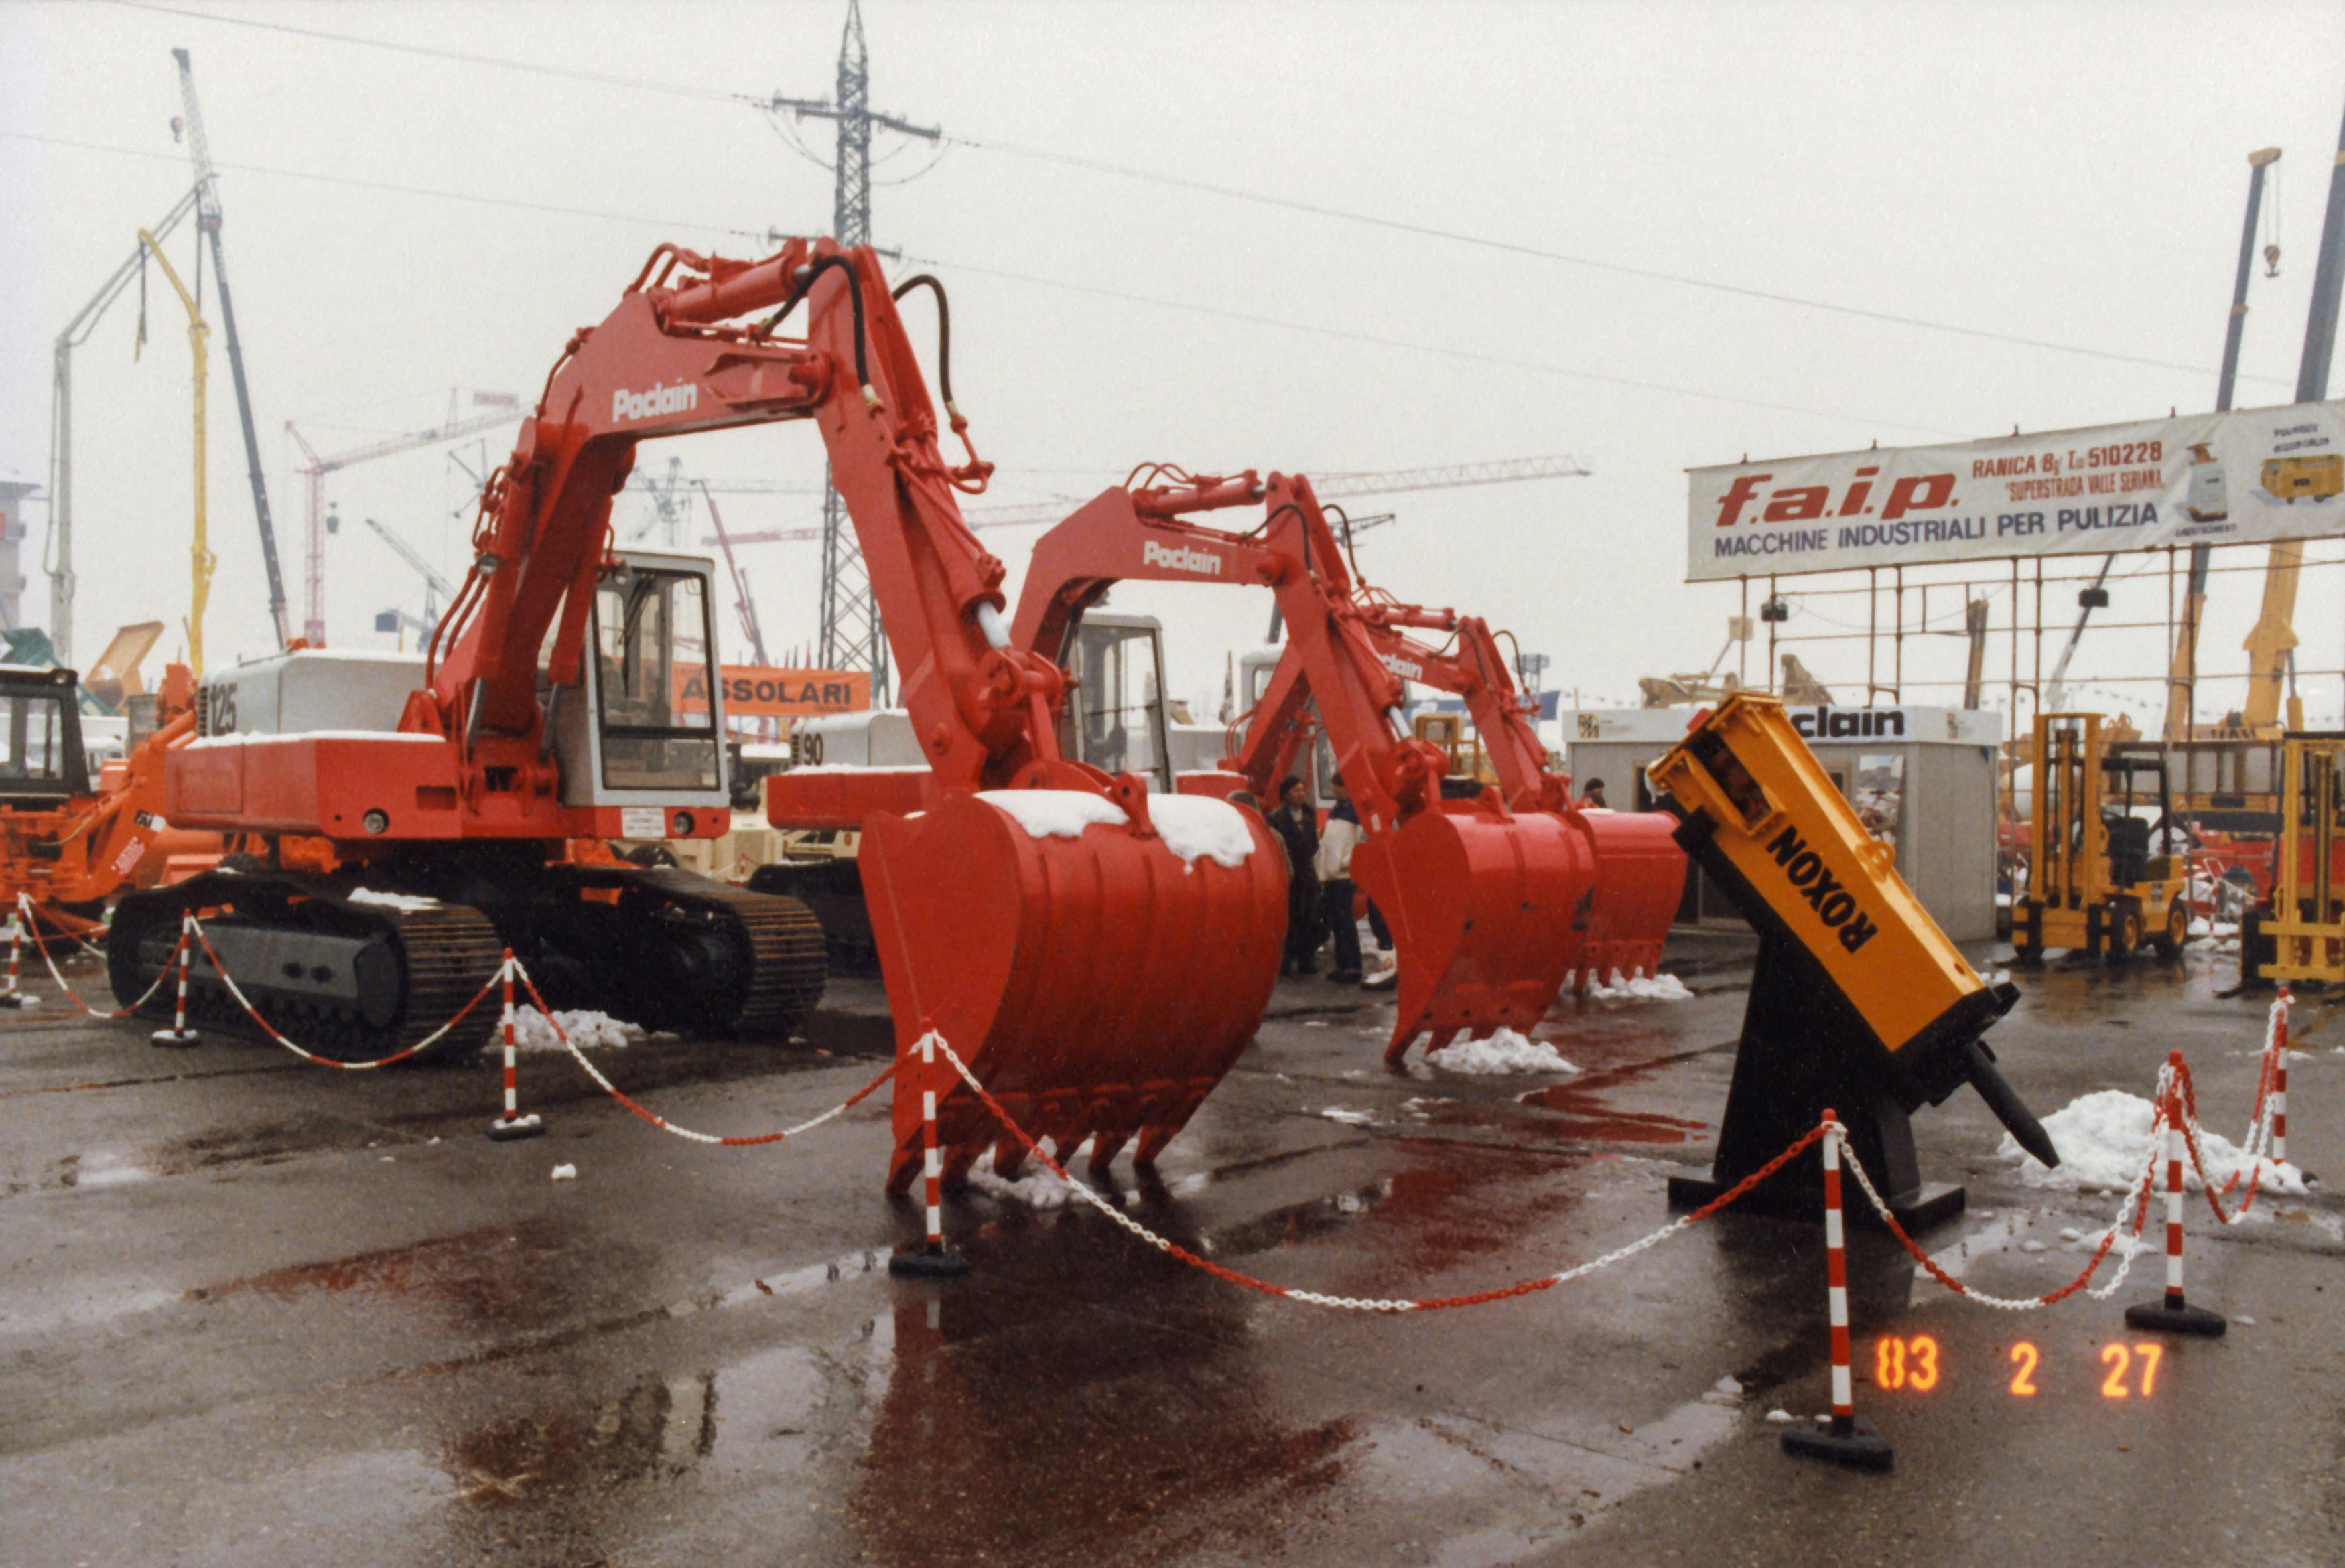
(70, 842)
(1494, 901)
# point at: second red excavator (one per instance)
(1493, 901)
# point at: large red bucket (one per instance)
(1098, 985)
(1487, 912)
(1640, 876)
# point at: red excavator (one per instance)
(1492, 901)
(1098, 962)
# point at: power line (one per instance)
(1234, 193)
(353, 180)
(1444, 350)
(1516, 247)
(1307, 329)
(534, 68)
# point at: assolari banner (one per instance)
(754, 693)
(2253, 474)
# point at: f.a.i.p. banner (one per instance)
(2253, 474)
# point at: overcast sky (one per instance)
(2072, 174)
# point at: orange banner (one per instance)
(751, 692)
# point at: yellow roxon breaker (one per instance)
(1859, 1002)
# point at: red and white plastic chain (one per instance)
(2199, 1157)
(2257, 1144)
(661, 1122)
(2129, 1218)
(402, 1054)
(33, 934)
(1353, 1303)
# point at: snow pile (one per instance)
(1641, 988)
(587, 1030)
(1038, 1189)
(1195, 824)
(393, 900)
(1348, 1117)
(2104, 1144)
(1054, 813)
(1504, 1052)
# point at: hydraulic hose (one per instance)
(944, 333)
(806, 283)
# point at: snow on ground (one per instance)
(586, 1030)
(1038, 1189)
(1504, 1052)
(1054, 813)
(1194, 824)
(1641, 988)
(1348, 1117)
(391, 900)
(2104, 1144)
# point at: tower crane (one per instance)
(742, 601)
(1388, 481)
(207, 223)
(315, 469)
(77, 332)
(436, 588)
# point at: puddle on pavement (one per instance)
(1581, 1106)
(502, 1277)
(1301, 1222)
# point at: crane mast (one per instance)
(207, 223)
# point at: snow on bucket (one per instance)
(1098, 977)
(1487, 913)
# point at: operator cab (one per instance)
(1115, 713)
(42, 763)
(646, 733)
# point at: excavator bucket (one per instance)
(1639, 882)
(1487, 912)
(1098, 968)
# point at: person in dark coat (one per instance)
(1297, 827)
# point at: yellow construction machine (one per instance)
(2301, 935)
(1859, 1002)
(2102, 876)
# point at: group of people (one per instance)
(1320, 892)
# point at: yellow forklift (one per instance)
(2094, 885)
(2301, 936)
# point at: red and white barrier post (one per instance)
(2280, 1076)
(512, 1124)
(15, 997)
(178, 1036)
(2170, 1313)
(1844, 1439)
(932, 1259)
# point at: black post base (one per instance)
(18, 999)
(921, 1263)
(520, 1127)
(1858, 1446)
(2171, 1315)
(1924, 1208)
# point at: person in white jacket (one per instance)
(1334, 864)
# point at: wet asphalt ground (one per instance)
(252, 1313)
